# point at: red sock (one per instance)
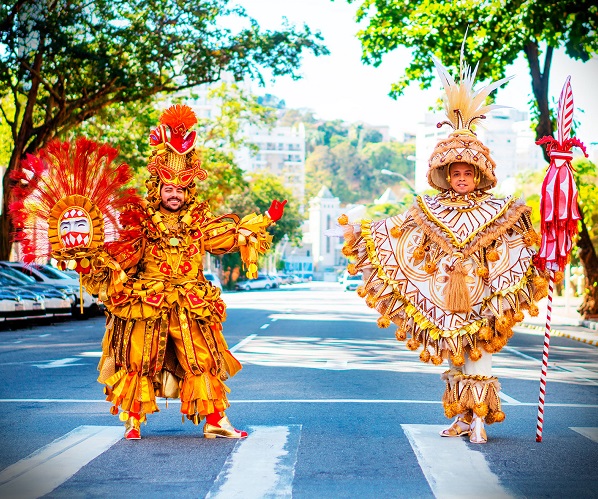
(213, 418)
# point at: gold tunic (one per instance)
(164, 335)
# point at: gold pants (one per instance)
(201, 361)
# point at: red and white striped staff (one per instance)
(559, 215)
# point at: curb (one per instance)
(562, 334)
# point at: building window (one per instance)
(327, 244)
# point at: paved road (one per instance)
(335, 406)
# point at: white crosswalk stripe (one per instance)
(451, 467)
(588, 432)
(263, 465)
(47, 468)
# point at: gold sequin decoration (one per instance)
(147, 347)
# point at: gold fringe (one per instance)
(456, 293)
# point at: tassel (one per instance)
(456, 292)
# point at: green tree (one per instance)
(499, 31)
(62, 62)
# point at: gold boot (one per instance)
(224, 429)
(132, 429)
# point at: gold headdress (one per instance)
(463, 107)
(174, 158)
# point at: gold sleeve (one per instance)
(248, 235)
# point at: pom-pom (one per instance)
(482, 272)
(383, 321)
(498, 416)
(401, 334)
(518, 316)
(179, 114)
(370, 301)
(419, 253)
(492, 255)
(413, 344)
(347, 250)
(352, 269)
(424, 356)
(533, 310)
(361, 292)
(343, 219)
(395, 232)
(436, 360)
(485, 333)
(497, 344)
(475, 354)
(481, 409)
(114, 410)
(452, 409)
(503, 323)
(430, 267)
(457, 360)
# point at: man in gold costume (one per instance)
(455, 272)
(164, 330)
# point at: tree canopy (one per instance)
(498, 31)
(64, 61)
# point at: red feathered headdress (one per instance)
(67, 197)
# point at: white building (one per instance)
(280, 152)
(506, 132)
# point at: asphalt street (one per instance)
(334, 405)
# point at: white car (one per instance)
(51, 275)
(261, 282)
(351, 282)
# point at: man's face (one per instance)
(462, 177)
(172, 197)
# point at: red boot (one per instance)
(133, 427)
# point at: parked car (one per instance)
(285, 278)
(261, 282)
(56, 303)
(51, 275)
(276, 281)
(11, 306)
(28, 304)
(213, 278)
(351, 282)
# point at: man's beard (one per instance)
(172, 210)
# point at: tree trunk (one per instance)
(589, 259)
(587, 252)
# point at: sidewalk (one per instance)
(566, 321)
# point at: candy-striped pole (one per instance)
(540, 424)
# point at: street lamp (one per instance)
(401, 176)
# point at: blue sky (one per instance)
(340, 86)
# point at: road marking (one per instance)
(91, 354)
(273, 319)
(51, 364)
(295, 401)
(451, 467)
(44, 335)
(588, 432)
(509, 400)
(265, 326)
(242, 343)
(262, 465)
(49, 467)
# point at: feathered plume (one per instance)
(463, 105)
(63, 169)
